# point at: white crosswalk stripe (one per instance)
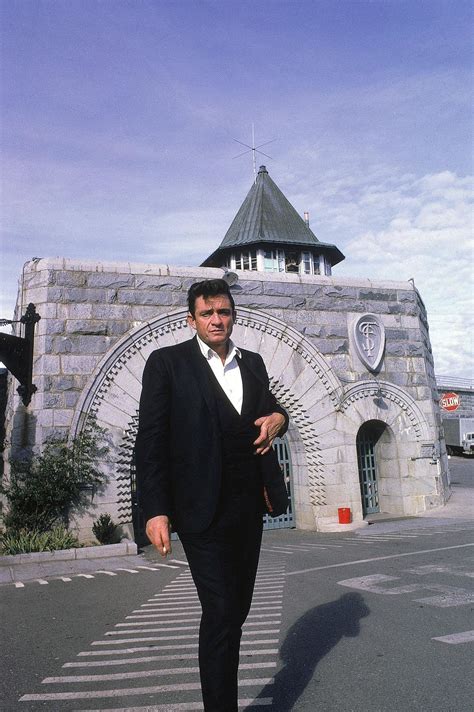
(457, 638)
(164, 631)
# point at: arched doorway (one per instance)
(367, 438)
(300, 377)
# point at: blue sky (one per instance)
(118, 119)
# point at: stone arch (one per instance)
(406, 441)
(300, 377)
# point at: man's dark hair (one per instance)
(208, 288)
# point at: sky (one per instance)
(118, 120)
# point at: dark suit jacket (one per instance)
(178, 452)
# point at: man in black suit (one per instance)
(205, 464)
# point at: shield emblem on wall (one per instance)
(369, 339)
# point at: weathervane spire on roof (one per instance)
(254, 150)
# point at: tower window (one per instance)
(274, 260)
(292, 262)
(245, 260)
(310, 263)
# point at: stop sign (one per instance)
(450, 401)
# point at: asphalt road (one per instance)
(377, 620)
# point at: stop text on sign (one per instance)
(450, 401)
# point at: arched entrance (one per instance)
(366, 442)
(300, 377)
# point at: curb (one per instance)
(11, 564)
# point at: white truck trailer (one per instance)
(459, 435)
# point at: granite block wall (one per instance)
(87, 309)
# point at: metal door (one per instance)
(284, 521)
(366, 440)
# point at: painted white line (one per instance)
(147, 649)
(166, 593)
(129, 571)
(156, 630)
(180, 646)
(441, 569)
(376, 558)
(87, 576)
(184, 619)
(161, 614)
(134, 675)
(457, 638)
(122, 641)
(449, 598)
(323, 545)
(374, 539)
(166, 566)
(154, 638)
(66, 579)
(174, 598)
(254, 623)
(291, 547)
(164, 607)
(263, 615)
(157, 637)
(141, 631)
(132, 691)
(274, 551)
(19, 584)
(147, 568)
(178, 561)
(107, 573)
(184, 706)
(43, 582)
(376, 583)
(141, 615)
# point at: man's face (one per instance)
(213, 320)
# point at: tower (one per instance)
(268, 235)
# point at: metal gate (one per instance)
(366, 440)
(284, 521)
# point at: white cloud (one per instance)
(427, 236)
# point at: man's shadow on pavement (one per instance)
(307, 642)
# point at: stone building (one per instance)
(350, 359)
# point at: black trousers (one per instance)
(223, 561)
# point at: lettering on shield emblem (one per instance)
(369, 339)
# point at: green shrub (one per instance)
(43, 489)
(105, 530)
(25, 542)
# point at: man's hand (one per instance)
(270, 426)
(158, 532)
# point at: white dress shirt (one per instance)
(227, 373)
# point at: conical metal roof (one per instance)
(267, 218)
